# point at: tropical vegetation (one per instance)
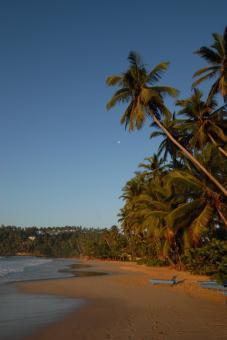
(175, 209)
(175, 206)
(68, 241)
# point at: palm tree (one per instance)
(202, 125)
(167, 147)
(131, 190)
(154, 166)
(153, 206)
(200, 204)
(137, 89)
(173, 210)
(146, 100)
(180, 210)
(141, 228)
(216, 56)
(111, 237)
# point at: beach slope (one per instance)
(124, 305)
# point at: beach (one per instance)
(124, 305)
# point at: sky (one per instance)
(63, 158)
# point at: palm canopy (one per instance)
(201, 202)
(216, 56)
(194, 214)
(202, 124)
(137, 88)
(167, 147)
(154, 166)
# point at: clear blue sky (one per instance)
(59, 160)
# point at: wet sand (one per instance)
(124, 305)
(22, 313)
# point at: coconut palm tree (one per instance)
(144, 99)
(154, 166)
(201, 124)
(167, 148)
(200, 205)
(180, 210)
(216, 56)
(131, 191)
(140, 228)
(153, 205)
(137, 88)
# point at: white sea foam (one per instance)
(9, 265)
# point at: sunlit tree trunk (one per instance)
(223, 152)
(189, 155)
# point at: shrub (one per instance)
(153, 262)
(211, 259)
(221, 275)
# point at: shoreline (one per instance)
(21, 313)
(124, 305)
(74, 273)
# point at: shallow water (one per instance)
(22, 313)
(212, 285)
(20, 268)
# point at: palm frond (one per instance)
(156, 72)
(206, 77)
(148, 95)
(218, 43)
(121, 95)
(214, 89)
(163, 90)
(176, 217)
(206, 69)
(200, 223)
(125, 118)
(151, 223)
(209, 55)
(185, 178)
(156, 134)
(135, 59)
(158, 108)
(158, 214)
(114, 80)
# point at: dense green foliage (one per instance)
(62, 242)
(153, 262)
(175, 209)
(209, 259)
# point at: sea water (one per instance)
(22, 313)
(22, 268)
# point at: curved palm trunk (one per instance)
(223, 152)
(222, 217)
(189, 155)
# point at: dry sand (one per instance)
(124, 305)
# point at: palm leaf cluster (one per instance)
(178, 201)
(171, 210)
(216, 56)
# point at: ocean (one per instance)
(22, 313)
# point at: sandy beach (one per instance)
(124, 305)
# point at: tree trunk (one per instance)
(222, 217)
(189, 155)
(217, 146)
